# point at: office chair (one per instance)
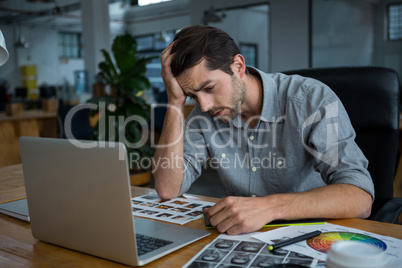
(80, 125)
(371, 98)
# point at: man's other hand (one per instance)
(234, 215)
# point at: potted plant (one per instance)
(126, 77)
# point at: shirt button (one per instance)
(251, 137)
(254, 169)
(223, 155)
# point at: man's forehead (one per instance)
(194, 79)
(198, 77)
(186, 81)
(193, 86)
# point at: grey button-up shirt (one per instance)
(303, 140)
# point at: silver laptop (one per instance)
(79, 198)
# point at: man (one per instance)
(284, 144)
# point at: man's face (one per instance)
(218, 93)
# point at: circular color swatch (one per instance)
(323, 242)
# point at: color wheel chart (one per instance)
(323, 242)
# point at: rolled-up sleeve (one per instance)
(195, 147)
(331, 140)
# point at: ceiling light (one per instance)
(3, 50)
(41, 1)
(149, 2)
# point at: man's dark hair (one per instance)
(198, 42)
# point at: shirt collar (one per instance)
(270, 106)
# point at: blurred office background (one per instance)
(61, 39)
(54, 45)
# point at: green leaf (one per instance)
(124, 50)
(109, 63)
(105, 72)
(126, 74)
(139, 83)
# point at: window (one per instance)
(249, 52)
(153, 45)
(70, 45)
(395, 21)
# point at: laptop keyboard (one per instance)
(147, 244)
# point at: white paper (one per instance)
(177, 210)
(331, 233)
(245, 251)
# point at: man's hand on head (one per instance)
(175, 93)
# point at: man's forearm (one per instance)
(235, 215)
(168, 165)
(332, 202)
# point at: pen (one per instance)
(293, 240)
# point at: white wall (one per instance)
(237, 24)
(289, 35)
(288, 28)
(150, 19)
(156, 26)
(53, 71)
(345, 33)
(42, 52)
(95, 34)
(353, 33)
(386, 53)
(243, 26)
(342, 33)
(197, 7)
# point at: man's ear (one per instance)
(239, 65)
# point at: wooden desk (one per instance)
(35, 123)
(19, 249)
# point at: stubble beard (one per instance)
(236, 99)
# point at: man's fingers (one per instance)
(232, 226)
(235, 215)
(176, 95)
(223, 226)
(227, 202)
(167, 51)
(166, 64)
(235, 230)
(221, 212)
(166, 60)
